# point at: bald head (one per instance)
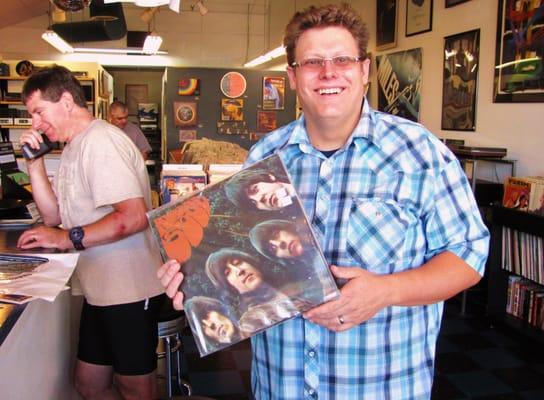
(118, 114)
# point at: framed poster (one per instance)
(135, 94)
(460, 83)
(233, 84)
(451, 3)
(386, 24)
(185, 113)
(187, 134)
(519, 72)
(189, 87)
(266, 121)
(419, 16)
(232, 109)
(273, 92)
(399, 82)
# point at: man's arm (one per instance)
(366, 293)
(127, 218)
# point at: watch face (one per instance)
(76, 234)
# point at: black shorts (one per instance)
(124, 336)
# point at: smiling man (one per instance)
(394, 215)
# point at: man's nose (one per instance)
(328, 69)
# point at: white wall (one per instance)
(219, 40)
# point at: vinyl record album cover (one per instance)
(248, 254)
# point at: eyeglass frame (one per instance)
(353, 60)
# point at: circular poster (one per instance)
(233, 84)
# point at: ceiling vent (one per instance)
(107, 23)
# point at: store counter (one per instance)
(37, 351)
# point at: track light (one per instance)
(202, 9)
(152, 43)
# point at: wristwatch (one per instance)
(76, 236)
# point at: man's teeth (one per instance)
(329, 91)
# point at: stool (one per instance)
(171, 323)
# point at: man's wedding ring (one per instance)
(341, 320)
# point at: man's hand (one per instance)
(46, 237)
(171, 278)
(360, 299)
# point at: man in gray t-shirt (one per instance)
(118, 116)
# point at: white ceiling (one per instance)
(233, 31)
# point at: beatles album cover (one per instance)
(248, 254)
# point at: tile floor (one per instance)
(474, 361)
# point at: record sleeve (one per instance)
(249, 257)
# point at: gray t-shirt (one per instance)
(100, 167)
(137, 136)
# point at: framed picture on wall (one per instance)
(451, 3)
(185, 113)
(519, 68)
(399, 82)
(232, 109)
(232, 128)
(386, 24)
(233, 84)
(266, 121)
(419, 16)
(460, 83)
(189, 87)
(187, 134)
(135, 94)
(273, 92)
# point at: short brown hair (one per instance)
(342, 15)
(52, 82)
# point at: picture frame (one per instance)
(460, 81)
(273, 93)
(399, 82)
(187, 134)
(386, 24)
(519, 72)
(452, 3)
(189, 87)
(232, 109)
(266, 121)
(135, 94)
(185, 113)
(419, 16)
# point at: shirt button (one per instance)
(311, 392)
(311, 353)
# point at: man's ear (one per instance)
(365, 70)
(291, 74)
(67, 100)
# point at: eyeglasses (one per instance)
(318, 63)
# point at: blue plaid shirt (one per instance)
(389, 200)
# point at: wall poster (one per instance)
(232, 109)
(185, 113)
(273, 92)
(519, 69)
(461, 61)
(386, 24)
(233, 84)
(419, 16)
(266, 121)
(135, 94)
(399, 82)
(189, 87)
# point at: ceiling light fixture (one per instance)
(57, 42)
(121, 50)
(201, 8)
(275, 53)
(174, 5)
(152, 43)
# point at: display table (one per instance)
(37, 353)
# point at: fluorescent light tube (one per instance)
(57, 42)
(277, 52)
